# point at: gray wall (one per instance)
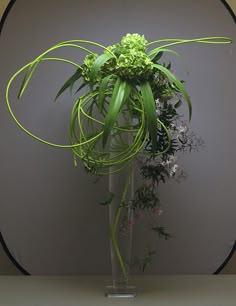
(48, 208)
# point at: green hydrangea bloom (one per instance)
(134, 41)
(87, 66)
(132, 62)
(134, 65)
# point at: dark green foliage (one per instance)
(70, 82)
(145, 198)
(141, 263)
(161, 232)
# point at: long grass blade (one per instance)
(28, 77)
(150, 112)
(177, 83)
(99, 62)
(70, 82)
(159, 52)
(119, 97)
(102, 91)
(206, 40)
(81, 87)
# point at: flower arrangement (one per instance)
(126, 108)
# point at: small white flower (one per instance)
(173, 126)
(182, 137)
(156, 76)
(182, 129)
(169, 161)
(174, 170)
(158, 107)
(157, 101)
(173, 158)
(157, 211)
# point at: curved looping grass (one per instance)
(88, 42)
(27, 131)
(206, 40)
(101, 158)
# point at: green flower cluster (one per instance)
(87, 66)
(134, 65)
(134, 42)
(131, 61)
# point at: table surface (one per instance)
(197, 290)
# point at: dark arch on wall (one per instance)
(231, 12)
(227, 260)
(5, 14)
(10, 256)
(12, 2)
(2, 241)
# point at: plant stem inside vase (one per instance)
(121, 187)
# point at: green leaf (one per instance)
(150, 112)
(102, 90)
(119, 97)
(99, 62)
(161, 232)
(157, 57)
(70, 82)
(178, 104)
(81, 87)
(178, 84)
(158, 50)
(27, 78)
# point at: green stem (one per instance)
(113, 228)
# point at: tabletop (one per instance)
(195, 290)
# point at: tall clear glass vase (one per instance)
(121, 220)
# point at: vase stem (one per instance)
(121, 228)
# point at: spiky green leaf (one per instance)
(27, 78)
(157, 57)
(178, 84)
(119, 97)
(99, 62)
(81, 87)
(102, 90)
(155, 52)
(70, 82)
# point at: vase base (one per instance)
(120, 292)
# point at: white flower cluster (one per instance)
(179, 132)
(157, 211)
(170, 163)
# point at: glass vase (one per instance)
(121, 220)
